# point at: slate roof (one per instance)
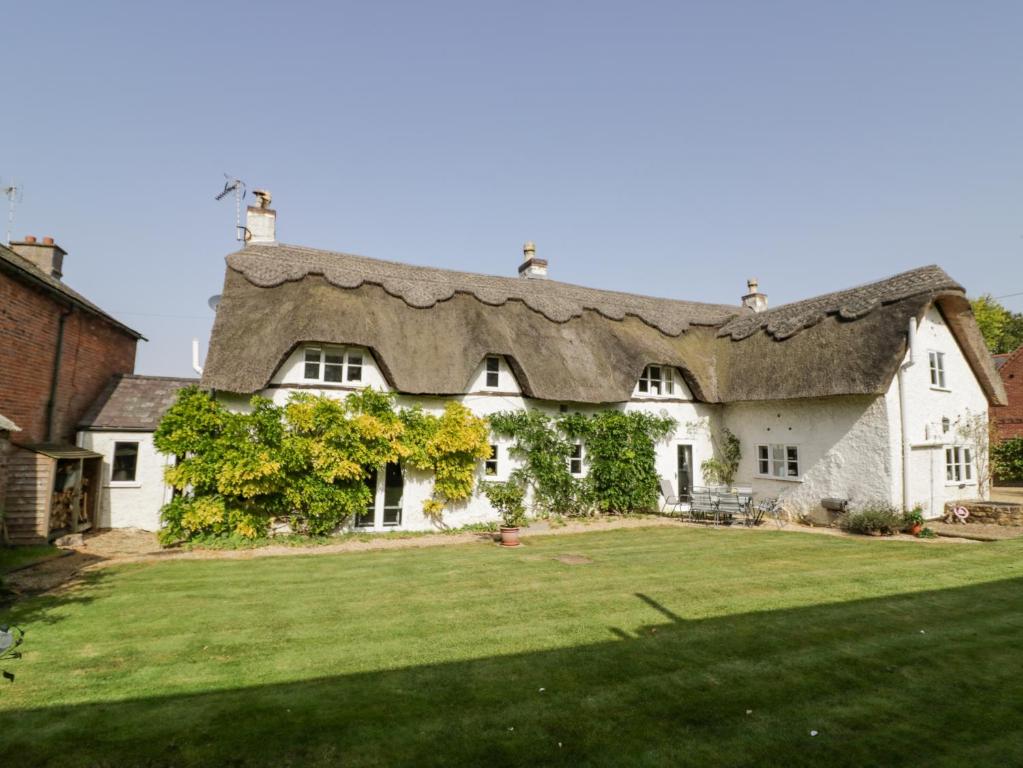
(133, 403)
(29, 272)
(429, 329)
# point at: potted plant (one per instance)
(914, 520)
(507, 498)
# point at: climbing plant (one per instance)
(620, 451)
(306, 461)
(621, 455)
(450, 446)
(721, 469)
(544, 449)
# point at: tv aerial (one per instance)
(231, 184)
(13, 192)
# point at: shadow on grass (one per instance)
(930, 678)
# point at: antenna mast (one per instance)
(13, 193)
(238, 187)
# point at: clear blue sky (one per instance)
(671, 148)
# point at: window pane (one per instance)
(792, 458)
(126, 456)
(332, 372)
(355, 370)
(493, 368)
(312, 364)
(333, 357)
(394, 485)
(643, 385)
(490, 465)
(669, 382)
(575, 461)
(367, 518)
(762, 460)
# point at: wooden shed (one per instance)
(52, 490)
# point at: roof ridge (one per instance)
(463, 273)
(421, 287)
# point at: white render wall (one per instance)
(136, 504)
(842, 442)
(926, 407)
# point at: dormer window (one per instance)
(493, 368)
(332, 365)
(657, 380)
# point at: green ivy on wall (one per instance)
(620, 454)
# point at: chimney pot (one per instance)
(47, 255)
(754, 299)
(531, 266)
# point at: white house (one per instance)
(119, 425)
(856, 394)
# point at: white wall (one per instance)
(926, 407)
(136, 504)
(842, 442)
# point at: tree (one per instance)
(977, 431)
(1002, 329)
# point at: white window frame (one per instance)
(576, 464)
(351, 367)
(774, 461)
(378, 507)
(959, 468)
(938, 374)
(137, 482)
(496, 372)
(492, 466)
(659, 384)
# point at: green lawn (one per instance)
(672, 647)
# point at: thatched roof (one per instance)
(133, 403)
(429, 329)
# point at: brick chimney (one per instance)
(261, 220)
(531, 266)
(755, 300)
(47, 255)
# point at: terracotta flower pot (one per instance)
(509, 536)
(915, 529)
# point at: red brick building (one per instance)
(58, 351)
(1009, 418)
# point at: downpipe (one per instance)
(51, 403)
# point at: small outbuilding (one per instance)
(119, 427)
